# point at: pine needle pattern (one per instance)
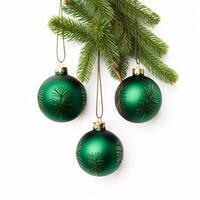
(62, 99)
(149, 103)
(96, 162)
(41, 97)
(119, 153)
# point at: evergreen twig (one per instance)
(134, 8)
(157, 67)
(87, 60)
(79, 10)
(111, 27)
(70, 29)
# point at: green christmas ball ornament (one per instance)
(62, 97)
(138, 98)
(99, 152)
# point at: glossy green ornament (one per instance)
(61, 97)
(138, 98)
(99, 152)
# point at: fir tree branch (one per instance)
(111, 62)
(102, 6)
(69, 29)
(109, 26)
(117, 27)
(110, 53)
(133, 9)
(157, 67)
(147, 38)
(144, 13)
(97, 27)
(87, 60)
(113, 68)
(79, 10)
(125, 44)
(122, 34)
(123, 65)
(151, 41)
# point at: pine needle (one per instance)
(112, 27)
(87, 60)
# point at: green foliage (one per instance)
(154, 64)
(69, 29)
(133, 9)
(144, 13)
(102, 6)
(87, 60)
(151, 41)
(112, 28)
(79, 10)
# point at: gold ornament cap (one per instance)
(61, 71)
(138, 71)
(99, 125)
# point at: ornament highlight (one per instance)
(62, 97)
(138, 98)
(99, 152)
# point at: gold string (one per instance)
(60, 60)
(99, 95)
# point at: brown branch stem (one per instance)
(116, 70)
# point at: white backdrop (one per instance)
(37, 156)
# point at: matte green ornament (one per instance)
(138, 98)
(99, 152)
(62, 97)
